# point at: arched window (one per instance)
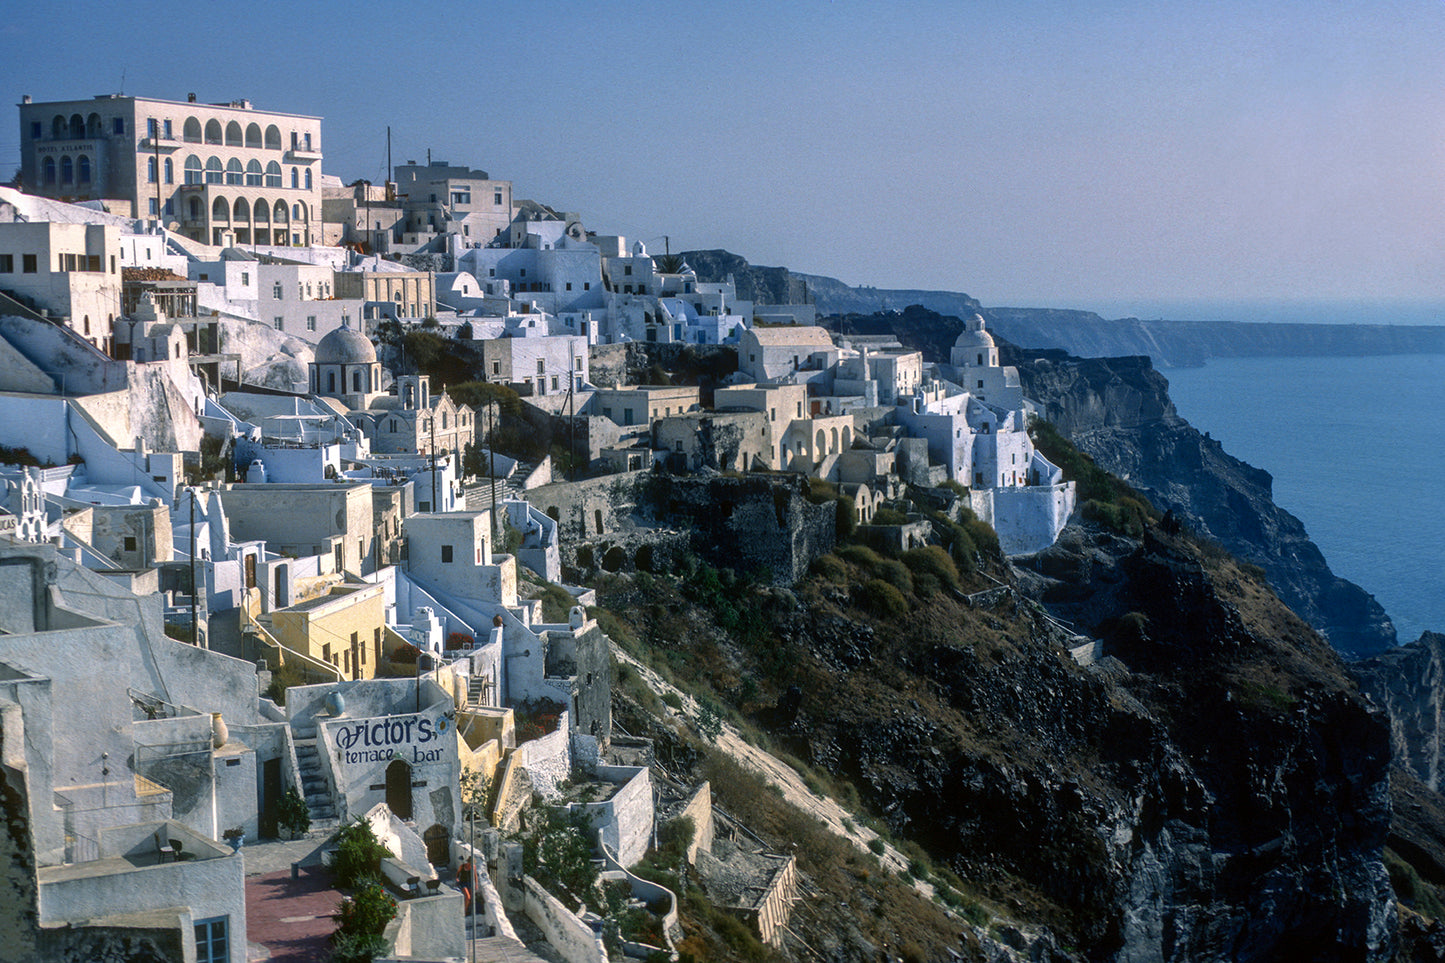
(150, 170)
(170, 171)
(242, 209)
(93, 127)
(213, 132)
(193, 170)
(67, 169)
(82, 172)
(234, 137)
(295, 179)
(77, 127)
(215, 174)
(331, 382)
(273, 137)
(308, 178)
(253, 173)
(220, 210)
(253, 135)
(234, 173)
(273, 174)
(191, 132)
(263, 210)
(49, 170)
(280, 212)
(58, 128)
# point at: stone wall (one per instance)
(567, 934)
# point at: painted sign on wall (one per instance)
(413, 739)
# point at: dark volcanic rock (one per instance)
(1117, 410)
(1409, 684)
(1217, 789)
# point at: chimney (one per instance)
(190, 98)
(25, 99)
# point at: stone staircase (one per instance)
(313, 783)
(476, 688)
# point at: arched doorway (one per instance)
(398, 789)
(438, 845)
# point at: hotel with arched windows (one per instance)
(216, 173)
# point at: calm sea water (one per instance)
(1357, 450)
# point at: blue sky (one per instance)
(1100, 155)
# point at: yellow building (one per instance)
(345, 628)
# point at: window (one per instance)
(523, 272)
(130, 543)
(463, 196)
(213, 942)
(152, 127)
(276, 291)
(280, 323)
(170, 171)
(35, 129)
(308, 178)
(587, 285)
(245, 279)
(150, 170)
(310, 322)
(980, 383)
(496, 367)
(27, 263)
(446, 553)
(569, 287)
(118, 125)
(151, 206)
(169, 133)
(496, 197)
(170, 210)
(577, 364)
(554, 382)
(627, 270)
(7, 264)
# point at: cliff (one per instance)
(1409, 684)
(1117, 410)
(1214, 788)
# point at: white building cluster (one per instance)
(183, 290)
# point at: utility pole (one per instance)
(492, 470)
(195, 623)
(156, 143)
(434, 506)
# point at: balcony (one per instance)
(301, 153)
(159, 142)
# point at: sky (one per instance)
(1116, 156)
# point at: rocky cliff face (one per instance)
(1214, 789)
(1409, 684)
(1117, 410)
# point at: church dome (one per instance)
(973, 335)
(345, 345)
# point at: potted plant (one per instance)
(236, 836)
(293, 815)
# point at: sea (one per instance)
(1357, 450)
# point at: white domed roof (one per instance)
(345, 345)
(973, 335)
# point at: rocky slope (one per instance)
(1215, 788)
(1117, 410)
(1409, 684)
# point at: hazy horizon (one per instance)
(1088, 155)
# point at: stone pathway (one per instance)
(288, 920)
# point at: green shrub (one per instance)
(889, 516)
(847, 521)
(882, 599)
(932, 560)
(896, 574)
(830, 568)
(876, 846)
(367, 910)
(860, 555)
(358, 854)
(557, 604)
